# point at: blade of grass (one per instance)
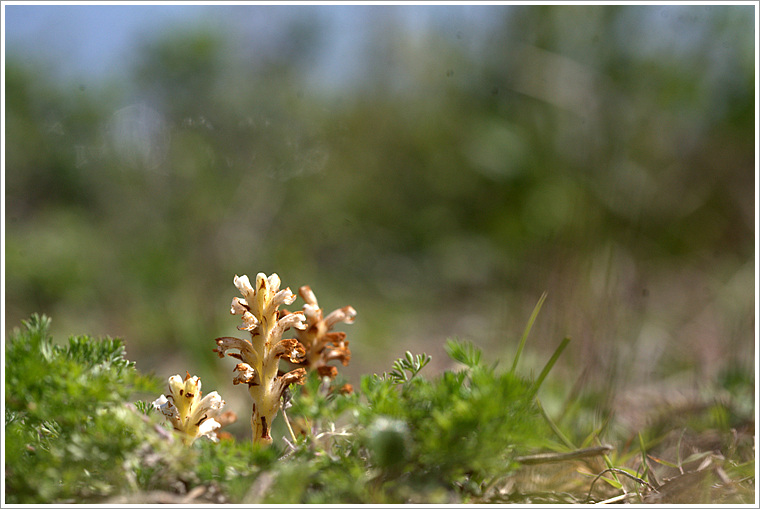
(678, 451)
(616, 483)
(554, 427)
(572, 397)
(662, 462)
(549, 365)
(643, 452)
(554, 457)
(597, 432)
(611, 468)
(612, 482)
(528, 327)
(647, 473)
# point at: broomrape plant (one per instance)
(191, 415)
(259, 369)
(322, 345)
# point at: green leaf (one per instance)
(527, 330)
(662, 462)
(463, 352)
(550, 365)
(612, 482)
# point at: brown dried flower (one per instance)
(321, 344)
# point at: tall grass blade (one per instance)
(528, 327)
(549, 365)
(644, 463)
(554, 427)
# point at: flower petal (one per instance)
(212, 403)
(202, 421)
(290, 320)
(246, 375)
(327, 371)
(179, 395)
(244, 285)
(262, 292)
(247, 353)
(169, 411)
(239, 306)
(345, 314)
(285, 297)
(289, 348)
(176, 386)
(292, 377)
(308, 296)
(208, 429)
(312, 313)
(340, 353)
(274, 282)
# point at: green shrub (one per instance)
(69, 435)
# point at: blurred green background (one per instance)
(437, 168)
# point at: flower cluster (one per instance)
(259, 357)
(259, 369)
(321, 344)
(188, 413)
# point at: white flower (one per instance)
(188, 413)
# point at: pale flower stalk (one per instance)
(189, 413)
(259, 369)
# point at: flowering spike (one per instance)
(188, 413)
(259, 369)
(322, 345)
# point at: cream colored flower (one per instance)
(259, 369)
(188, 413)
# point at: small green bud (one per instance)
(388, 441)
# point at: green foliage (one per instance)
(428, 436)
(144, 407)
(463, 352)
(410, 364)
(231, 466)
(71, 437)
(66, 381)
(69, 434)
(469, 422)
(402, 437)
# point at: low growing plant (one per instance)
(69, 435)
(76, 430)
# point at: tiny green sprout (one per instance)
(144, 407)
(463, 352)
(407, 368)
